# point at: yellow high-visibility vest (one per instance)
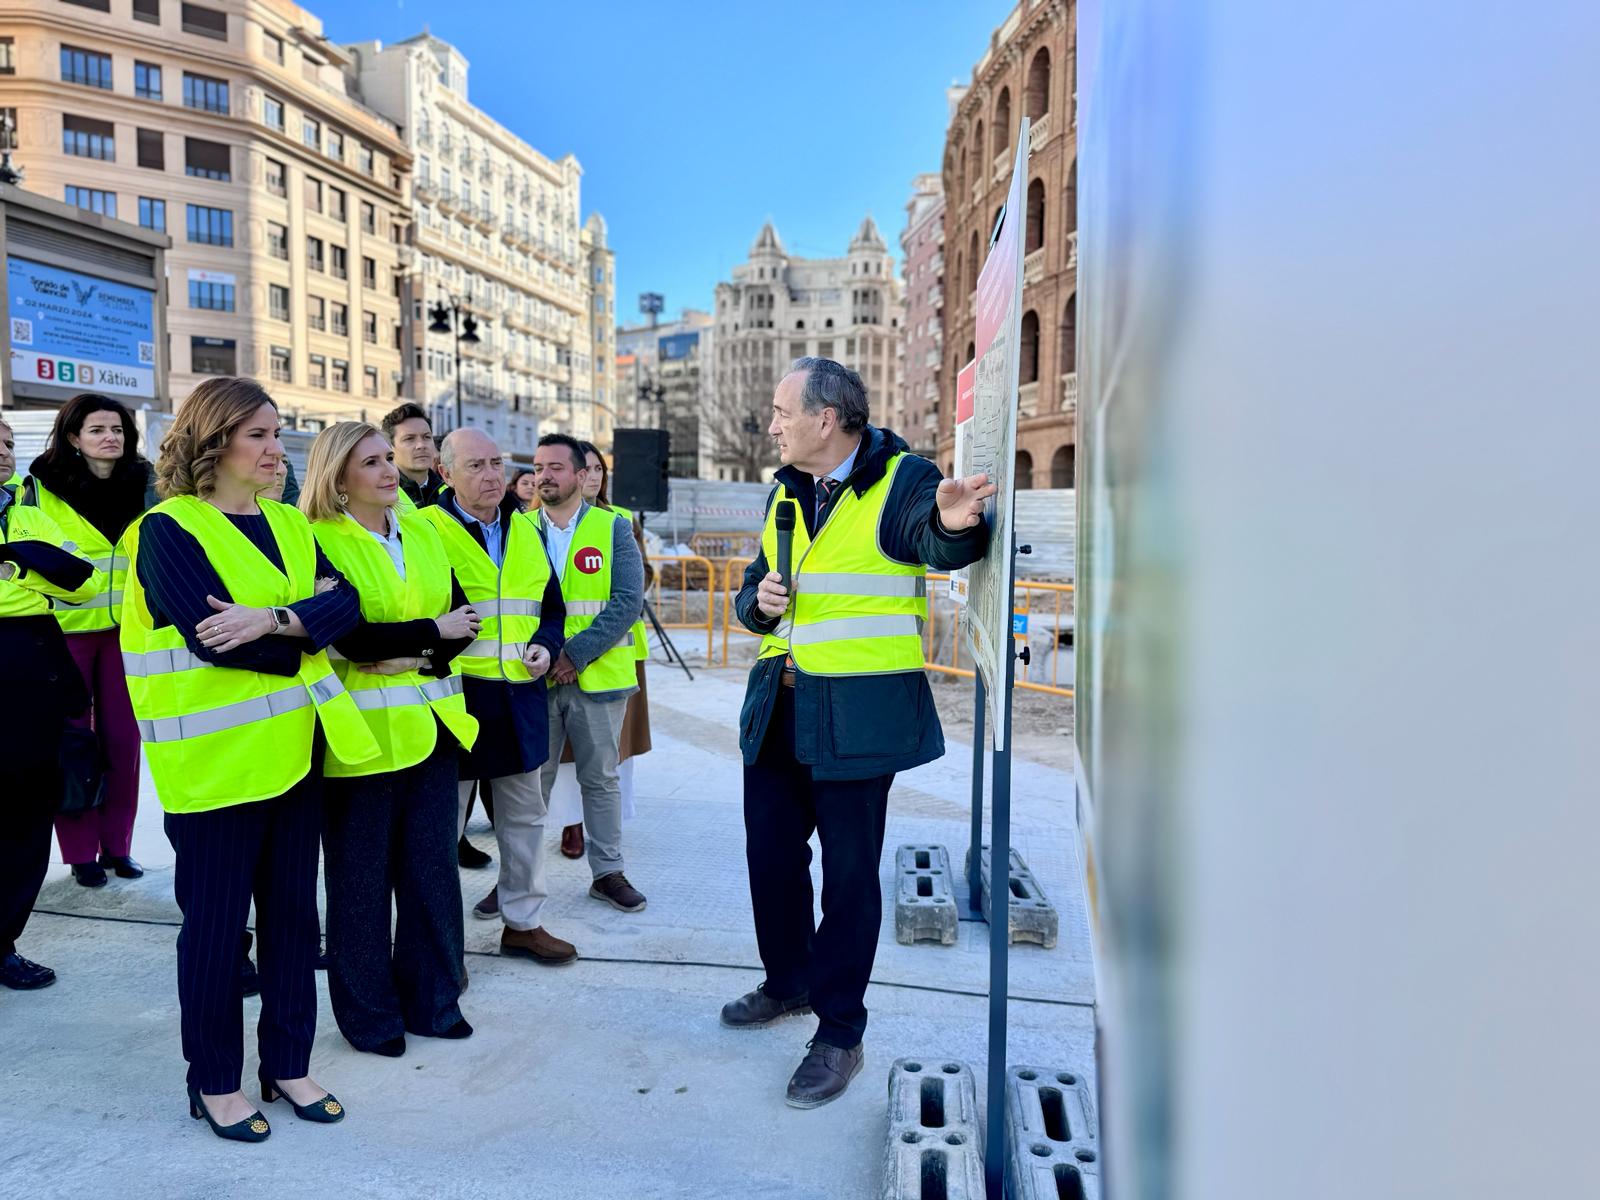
(399, 709)
(641, 638)
(852, 610)
(586, 590)
(216, 736)
(507, 598)
(28, 593)
(103, 610)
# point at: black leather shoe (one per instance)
(470, 856)
(755, 1009)
(457, 1031)
(24, 975)
(823, 1074)
(249, 981)
(253, 1128)
(124, 866)
(327, 1111)
(89, 874)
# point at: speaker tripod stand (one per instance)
(666, 642)
(661, 633)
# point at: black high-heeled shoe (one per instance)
(253, 1128)
(324, 1112)
(122, 864)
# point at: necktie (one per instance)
(825, 490)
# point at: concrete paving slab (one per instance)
(610, 1078)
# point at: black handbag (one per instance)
(83, 772)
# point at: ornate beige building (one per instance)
(917, 407)
(236, 128)
(778, 308)
(1027, 70)
(496, 230)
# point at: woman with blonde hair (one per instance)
(229, 607)
(389, 824)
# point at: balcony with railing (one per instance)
(1069, 396)
(1039, 134)
(1033, 267)
(1028, 400)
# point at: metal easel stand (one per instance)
(994, 1152)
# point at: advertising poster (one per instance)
(993, 443)
(963, 459)
(74, 330)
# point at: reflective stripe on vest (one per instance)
(641, 639)
(217, 735)
(400, 710)
(855, 611)
(33, 594)
(103, 610)
(586, 594)
(508, 599)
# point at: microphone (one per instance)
(784, 520)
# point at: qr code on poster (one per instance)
(147, 353)
(21, 331)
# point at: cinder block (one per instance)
(1033, 917)
(1052, 1136)
(924, 904)
(933, 1151)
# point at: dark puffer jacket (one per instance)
(860, 726)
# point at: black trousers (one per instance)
(27, 813)
(266, 849)
(392, 837)
(782, 806)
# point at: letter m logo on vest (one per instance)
(588, 560)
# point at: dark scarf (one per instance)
(110, 505)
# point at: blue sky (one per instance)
(695, 123)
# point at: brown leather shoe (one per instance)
(538, 944)
(616, 891)
(572, 840)
(823, 1074)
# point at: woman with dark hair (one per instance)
(566, 798)
(92, 483)
(526, 489)
(230, 606)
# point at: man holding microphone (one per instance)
(837, 701)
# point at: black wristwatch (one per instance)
(280, 619)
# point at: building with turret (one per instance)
(778, 308)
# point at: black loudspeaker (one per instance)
(639, 469)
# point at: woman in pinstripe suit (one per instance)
(233, 842)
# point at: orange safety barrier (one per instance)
(726, 545)
(1029, 588)
(687, 563)
(733, 578)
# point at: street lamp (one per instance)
(452, 318)
(652, 393)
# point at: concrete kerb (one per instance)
(1052, 1135)
(934, 1149)
(1032, 918)
(924, 904)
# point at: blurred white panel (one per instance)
(1339, 652)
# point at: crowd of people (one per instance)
(332, 669)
